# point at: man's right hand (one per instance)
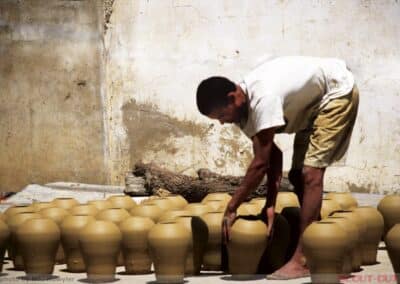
(227, 222)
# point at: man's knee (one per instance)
(313, 177)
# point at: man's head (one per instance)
(221, 99)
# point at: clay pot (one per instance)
(2, 217)
(65, 202)
(171, 215)
(324, 246)
(216, 205)
(177, 200)
(39, 239)
(14, 249)
(246, 246)
(85, 209)
(392, 241)
(389, 206)
(122, 201)
(375, 225)
(247, 208)
(70, 229)
(164, 203)
(18, 209)
(345, 199)
(198, 209)
(328, 207)
(225, 197)
(286, 199)
(169, 244)
(117, 216)
(42, 205)
(57, 215)
(358, 221)
(100, 204)
(147, 210)
(352, 232)
(260, 201)
(212, 254)
(198, 241)
(135, 249)
(100, 244)
(4, 239)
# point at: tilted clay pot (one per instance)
(357, 221)
(70, 229)
(65, 202)
(164, 203)
(375, 225)
(100, 244)
(212, 255)
(4, 239)
(18, 209)
(328, 207)
(216, 205)
(198, 209)
(178, 201)
(324, 246)
(345, 199)
(135, 248)
(217, 196)
(101, 204)
(14, 250)
(260, 201)
(84, 209)
(57, 214)
(2, 217)
(147, 210)
(39, 239)
(392, 241)
(171, 215)
(169, 244)
(117, 216)
(42, 205)
(122, 201)
(286, 199)
(198, 241)
(352, 233)
(247, 208)
(389, 206)
(248, 240)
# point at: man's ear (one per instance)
(231, 97)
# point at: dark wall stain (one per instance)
(370, 188)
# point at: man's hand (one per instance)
(227, 222)
(270, 221)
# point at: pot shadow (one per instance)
(155, 282)
(69, 271)
(14, 269)
(243, 277)
(87, 280)
(38, 277)
(128, 273)
(206, 274)
(3, 274)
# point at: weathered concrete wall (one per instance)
(158, 51)
(51, 120)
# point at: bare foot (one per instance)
(290, 270)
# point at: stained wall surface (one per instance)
(79, 103)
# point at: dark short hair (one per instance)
(213, 92)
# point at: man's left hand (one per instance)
(227, 222)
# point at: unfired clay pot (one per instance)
(14, 250)
(392, 240)
(389, 206)
(198, 241)
(324, 246)
(345, 199)
(247, 208)
(135, 249)
(216, 205)
(39, 239)
(286, 199)
(18, 209)
(260, 201)
(122, 201)
(85, 209)
(169, 243)
(375, 225)
(152, 211)
(101, 204)
(178, 201)
(4, 239)
(42, 205)
(100, 243)
(212, 255)
(65, 202)
(164, 203)
(328, 207)
(57, 214)
(198, 209)
(2, 217)
(247, 243)
(70, 229)
(171, 215)
(217, 196)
